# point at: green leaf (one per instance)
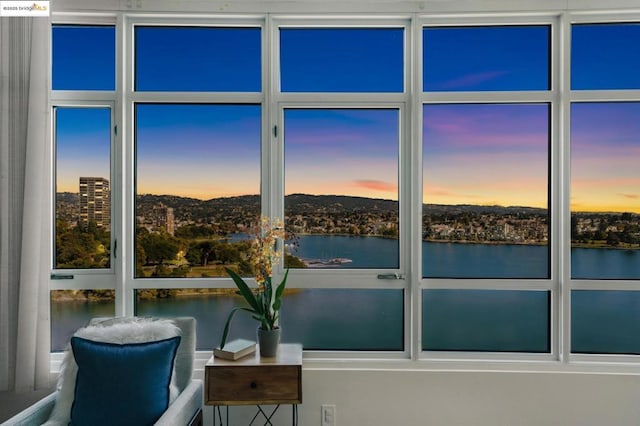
(244, 289)
(268, 291)
(282, 285)
(258, 317)
(260, 302)
(225, 333)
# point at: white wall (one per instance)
(434, 398)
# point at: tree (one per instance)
(141, 257)
(76, 248)
(195, 231)
(613, 239)
(198, 254)
(227, 253)
(291, 261)
(574, 227)
(158, 247)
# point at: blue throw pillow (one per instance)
(122, 384)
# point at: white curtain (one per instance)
(25, 203)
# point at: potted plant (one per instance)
(266, 300)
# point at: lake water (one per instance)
(373, 319)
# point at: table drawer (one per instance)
(239, 385)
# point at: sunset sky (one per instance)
(486, 154)
(343, 152)
(605, 157)
(472, 154)
(199, 151)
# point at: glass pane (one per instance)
(83, 58)
(321, 319)
(197, 59)
(341, 183)
(605, 190)
(83, 196)
(342, 59)
(486, 58)
(486, 320)
(197, 188)
(605, 56)
(605, 322)
(485, 191)
(72, 309)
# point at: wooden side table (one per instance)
(254, 380)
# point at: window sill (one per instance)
(580, 365)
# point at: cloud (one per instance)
(597, 182)
(481, 127)
(375, 185)
(470, 80)
(442, 192)
(630, 196)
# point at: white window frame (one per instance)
(356, 278)
(130, 283)
(595, 96)
(414, 17)
(549, 97)
(88, 278)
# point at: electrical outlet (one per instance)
(328, 415)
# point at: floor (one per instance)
(12, 403)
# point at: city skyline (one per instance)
(481, 154)
(604, 176)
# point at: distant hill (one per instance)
(471, 208)
(67, 197)
(194, 209)
(304, 203)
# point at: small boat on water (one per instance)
(336, 261)
(339, 261)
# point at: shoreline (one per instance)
(595, 245)
(176, 293)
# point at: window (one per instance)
(453, 187)
(604, 322)
(84, 225)
(341, 59)
(486, 320)
(197, 188)
(485, 189)
(341, 186)
(228, 59)
(83, 195)
(83, 57)
(342, 183)
(486, 59)
(320, 319)
(603, 56)
(72, 309)
(197, 155)
(605, 199)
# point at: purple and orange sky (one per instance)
(342, 152)
(605, 157)
(487, 154)
(472, 154)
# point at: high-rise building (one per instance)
(162, 217)
(95, 202)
